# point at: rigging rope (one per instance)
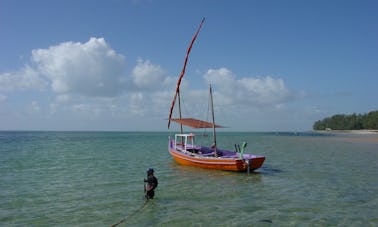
(208, 139)
(130, 215)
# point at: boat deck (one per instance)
(196, 150)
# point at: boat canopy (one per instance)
(195, 123)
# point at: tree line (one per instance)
(348, 122)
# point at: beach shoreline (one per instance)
(359, 136)
(355, 132)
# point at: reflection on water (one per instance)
(268, 170)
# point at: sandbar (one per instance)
(359, 136)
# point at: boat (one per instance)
(185, 151)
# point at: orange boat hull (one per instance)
(230, 164)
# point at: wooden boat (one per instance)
(184, 150)
(205, 157)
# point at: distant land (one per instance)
(362, 122)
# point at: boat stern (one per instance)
(254, 162)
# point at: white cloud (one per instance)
(86, 82)
(260, 91)
(90, 69)
(137, 106)
(147, 75)
(25, 79)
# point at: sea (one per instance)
(96, 179)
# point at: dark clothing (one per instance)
(152, 180)
(150, 194)
(152, 183)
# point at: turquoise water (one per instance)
(96, 179)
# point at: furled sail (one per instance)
(183, 71)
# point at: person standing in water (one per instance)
(150, 184)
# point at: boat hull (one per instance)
(219, 163)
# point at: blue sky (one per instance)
(113, 65)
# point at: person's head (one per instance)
(150, 171)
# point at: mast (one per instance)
(213, 117)
(183, 72)
(179, 104)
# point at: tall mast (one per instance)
(183, 72)
(179, 102)
(212, 114)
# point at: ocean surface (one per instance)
(96, 179)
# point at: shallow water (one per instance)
(96, 179)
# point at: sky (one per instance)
(113, 65)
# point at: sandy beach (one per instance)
(358, 136)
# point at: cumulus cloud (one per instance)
(25, 79)
(88, 81)
(137, 105)
(261, 91)
(147, 75)
(92, 68)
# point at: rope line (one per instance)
(130, 215)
